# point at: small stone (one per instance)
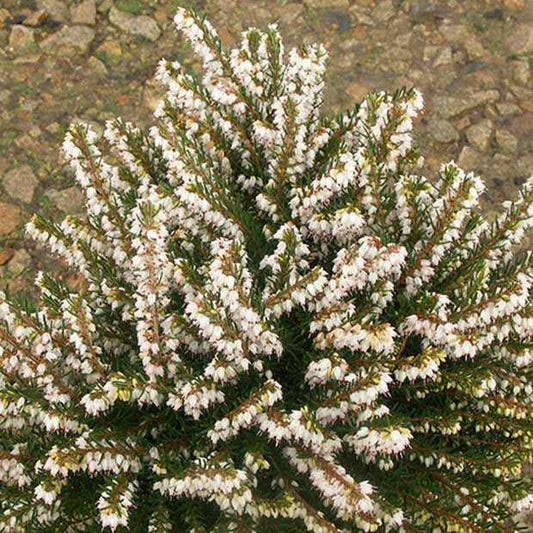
(404, 39)
(362, 16)
(442, 131)
(135, 25)
(524, 97)
(520, 42)
(520, 71)
(462, 35)
(462, 123)
(9, 218)
(469, 158)
(110, 49)
(507, 109)
(383, 11)
(36, 18)
(21, 39)
(357, 91)
(449, 106)
(35, 132)
(479, 134)
(455, 33)
(5, 96)
(5, 255)
(20, 183)
(123, 99)
(430, 52)
(473, 47)
(329, 4)
(338, 19)
(423, 10)
(70, 200)
(151, 95)
(70, 40)
(514, 4)
(506, 141)
(57, 9)
(84, 13)
(525, 164)
(161, 15)
(96, 66)
(104, 6)
(19, 263)
(444, 57)
(53, 127)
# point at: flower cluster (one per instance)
(279, 324)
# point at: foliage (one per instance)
(281, 326)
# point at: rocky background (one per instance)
(66, 60)
(91, 60)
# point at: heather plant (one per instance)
(280, 325)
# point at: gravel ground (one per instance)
(63, 60)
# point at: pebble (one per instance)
(514, 4)
(357, 91)
(84, 13)
(444, 57)
(110, 48)
(70, 200)
(479, 134)
(404, 39)
(430, 52)
(57, 9)
(135, 25)
(520, 41)
(69, 40)
(20, 183)
(19, 262)
(10, 218)
(21, 39)
(421, 11)
(104, 6)
(506, 109)
(525, 164)
(442, 130)
(96, 66)
(36, 18)
(383, 11)
(5, 255)
(474, 49)
(454, 33)
(53, 127)
(449, 106)
(520, 70)
(362, 16)
(152, 95)
(469, 159)
(329, 4)
(506, 141)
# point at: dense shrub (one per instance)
(281, 326)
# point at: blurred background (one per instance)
(66, 60)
